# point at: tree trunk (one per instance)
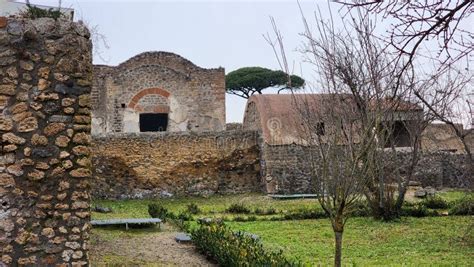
(338, 252)
(338, 228)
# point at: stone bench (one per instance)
(126, 222)
(183, 238)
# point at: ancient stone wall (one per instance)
(158, 82)
(438, 137)
(442, 169)
(155, 164)
(45, 80)
(287, 169)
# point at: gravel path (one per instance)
(154, 249)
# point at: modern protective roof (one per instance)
(281, 117)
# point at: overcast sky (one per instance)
(209, 33)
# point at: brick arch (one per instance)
(149, 91)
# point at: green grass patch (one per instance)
(214, 206)
(410, 241)
(452, 195)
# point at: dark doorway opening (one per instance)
(153, 122)
(398, 135)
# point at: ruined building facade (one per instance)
(157, 92)
(158, 123)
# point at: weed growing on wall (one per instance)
(33, 12)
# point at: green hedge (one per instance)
(463, 206)
(229, 248)
(435, 202)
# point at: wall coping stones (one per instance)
(160, 135)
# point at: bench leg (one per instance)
(126, 226)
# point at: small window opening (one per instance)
(320, 128)
(123, 105)
(153, 122)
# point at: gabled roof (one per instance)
(278, 116)
(281, 117)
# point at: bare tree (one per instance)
(349, 130)
(353, 132)
(353, 61)
(447, 94)
(331, 132)
(448, 99)
(418, 22)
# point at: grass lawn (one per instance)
(429, 241)
(211, 207)
(411, 241)
(451, 195)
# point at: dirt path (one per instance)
(152, 249)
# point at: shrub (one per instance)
(228, 248)
(464, 206)
(158, 211)
(238, 208)
(361, 209)
(435, 202)
(417, 210)
(193, 209)
(304, 214)
(239, 219)
(182, 221)
(184, 216)
(251, 218)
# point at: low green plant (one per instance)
(184, 216)
(238, 208)
(417, 210)
(463, 206)
(192, 208)
(361, 209)
(182, 221)
(229, 248)
(305, 214)
(251, 218)
(435, 202)
(158, 211)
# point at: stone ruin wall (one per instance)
(193, 97)
(287, 169)
(45, 81)
(158, 164)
